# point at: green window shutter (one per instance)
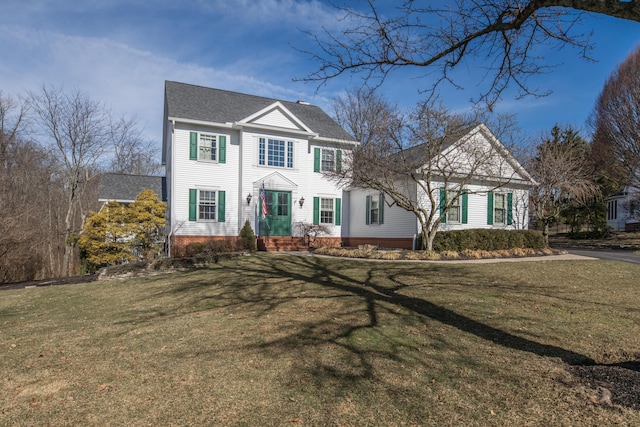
(338, 211)
(193, 201)
(193, 146)
(509, 208)
(465, 207)
(222, 149)
(221, 203)
(490, 208)
(316, 160)
(338, 161)
(443, 204)
(316, 210)
(367, 208)
(380, 208)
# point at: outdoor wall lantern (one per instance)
(301, 201)
(249, 197)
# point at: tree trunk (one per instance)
(68, 224)
(545, 232)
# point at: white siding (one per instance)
(276, 118)
(397, 222)
(192, 174)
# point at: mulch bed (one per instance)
(49, 282)
(622, 380)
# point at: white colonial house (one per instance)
(226, 154)
(232, 157)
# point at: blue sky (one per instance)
(121, 52)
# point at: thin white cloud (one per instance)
(303, 14)
(129, 80)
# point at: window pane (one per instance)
(328, 160)
(276, 153)
(373, 210)
(207, 147)
(454, 214)
(499, 209)
(207, 205)
(261, 154)
(326, 211)
(374, 216)
(289, 154)
(283, 204)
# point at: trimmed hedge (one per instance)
(487, 240)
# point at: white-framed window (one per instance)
(327, 160)
(499, 208)
(612, 209)
(453, 215)
(275, 152)
(207, 147)
(374, 209)
(326, 211)
(206, 205)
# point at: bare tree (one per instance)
(423, 153)
(616, 124)
(367, 116)
(29, 199)
(563, 176)
(131, 153)
(444, 35)
(80, 131)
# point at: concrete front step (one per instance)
(281, 243)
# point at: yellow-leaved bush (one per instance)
(121, 233)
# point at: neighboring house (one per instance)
(623, 210)
(490, 202)
(225, 152)
(232, 157)
(123, 188)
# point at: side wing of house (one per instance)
(495, 196)
(234, 158)
(621, 210)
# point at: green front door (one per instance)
(279, 212)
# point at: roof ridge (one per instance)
(306, 103)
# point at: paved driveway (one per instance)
(608, 254)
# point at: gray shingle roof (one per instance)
(125, 188)
(186, 101)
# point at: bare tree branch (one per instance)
(439, 36)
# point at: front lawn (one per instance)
(280, 340)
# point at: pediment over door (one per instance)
(275, 181)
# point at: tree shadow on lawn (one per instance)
(250, 292)
(373, 292)
(249, 287)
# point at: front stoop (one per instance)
(281, 243)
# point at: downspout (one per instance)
(171, 192)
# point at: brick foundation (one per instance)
(179, 243)
(632, 226)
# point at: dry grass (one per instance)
(287, 340)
